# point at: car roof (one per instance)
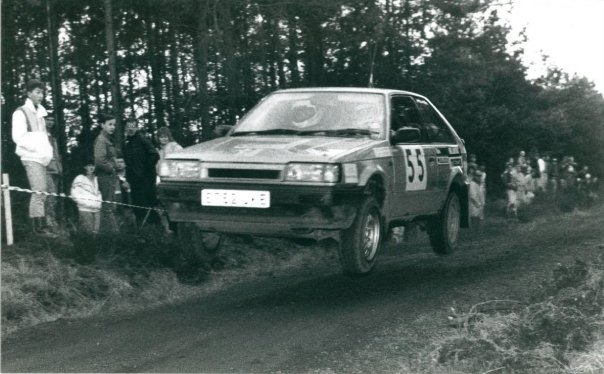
(382, 91)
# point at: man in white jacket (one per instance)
(34, 149)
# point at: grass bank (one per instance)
(77, 275)
(559, 330)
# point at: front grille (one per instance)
(243, 173)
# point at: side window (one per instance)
(436, 129)
(404, 113)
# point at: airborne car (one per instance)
(342, 163)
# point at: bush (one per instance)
(561, 319)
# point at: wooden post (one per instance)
(7, 211)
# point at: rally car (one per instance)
(342, 163)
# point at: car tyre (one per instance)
(362, 242)
(196, 246)
(443, 230)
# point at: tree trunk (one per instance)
(155, 61)
(113, 73)
(55, 77)
(292, 54)
(201, 64)
(84, 112)
(175, 89)
(131, 97)
(230, 63)
(10, 92)
(97, 88)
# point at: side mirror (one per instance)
(222, 130)
(406, 135)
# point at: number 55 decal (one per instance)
(416, 169)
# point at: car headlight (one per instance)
(329, 173)
(180, 169)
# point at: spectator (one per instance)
(509, 181)
(167, 144)
(583, 172)
(586, 186)
(54, 171)
(472, 163)
(476, 200)
(483, 181)
(30, 136)
(539, 173)
(525, 185)
(141, 158)
(568, 184)
(85, 192)
(545, 173)
(106, 167)
(554, 177)
(521, 160)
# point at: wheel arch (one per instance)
(375, 181)
(460, 187)
(375, 186)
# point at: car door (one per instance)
(444, 143)
(414, 164)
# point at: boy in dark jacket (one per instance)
(140, 157)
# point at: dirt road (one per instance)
(317, 320)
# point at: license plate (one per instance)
(236, 198)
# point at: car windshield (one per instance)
(344, 114)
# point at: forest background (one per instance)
(195, 64)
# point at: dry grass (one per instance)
(589, 362)
(47, 279)
(554, 333)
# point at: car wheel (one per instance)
(443, 230)
(361, 242)
(197, 246)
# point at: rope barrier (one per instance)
(25, 190)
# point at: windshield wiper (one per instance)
(349, 132)
(267, 132)
(323, 132)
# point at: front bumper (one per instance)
(295, 211)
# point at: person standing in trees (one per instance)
(106, 167)
(34, 149)
(476, 200)
(554, 177)
(521, 160)
(54, 172)
(509, 181)
(141, 157)
(483, 181)
(167, 144)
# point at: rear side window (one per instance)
(436, 129)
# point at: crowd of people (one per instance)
(108, 171)
(528, 176)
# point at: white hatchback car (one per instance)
(341, 163)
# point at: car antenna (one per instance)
(370, 84)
